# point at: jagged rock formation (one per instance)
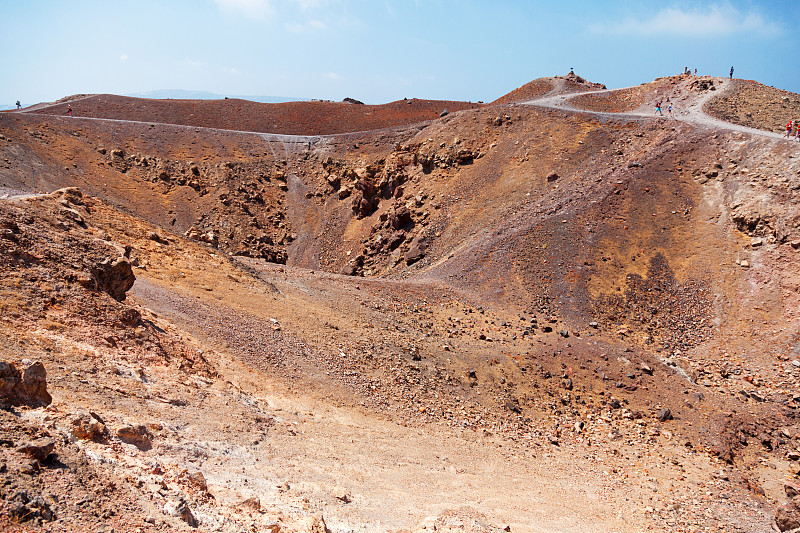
(25, 386)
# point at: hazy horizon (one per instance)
(380, 52)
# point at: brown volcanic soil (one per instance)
(640, 97)
(531, 90)
(321, 353)
(570, 83)
(291, 118)
(535, 290)
(752, 104)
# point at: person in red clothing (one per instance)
(789, 128)
(69, 110)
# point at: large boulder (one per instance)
(26, 387)
(787, 517)
(362, 206)
(400, 218)
(38, 449)
(114, 276)
(417, 249)
(138, 435)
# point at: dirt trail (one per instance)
(43, 105)
(690, 109)
(8, 194)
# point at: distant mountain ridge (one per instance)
(180, 94)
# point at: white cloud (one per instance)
(311, 25)
(711, 21)
(193, 63)
(305, 5)
(249, 8)
(332, 76)
(123, 57)
(232, 70)
(266, 8)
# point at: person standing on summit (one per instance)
(731, 75)
(18, 104)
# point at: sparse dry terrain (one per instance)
(752, 104)
(512, 317)
(294, 118)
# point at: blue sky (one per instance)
(382, 50)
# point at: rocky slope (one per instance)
(605, 304)
(752, 104)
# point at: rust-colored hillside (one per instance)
(752, 104)
(292, 118)
(515, 317)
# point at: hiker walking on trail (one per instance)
(69, 110)
(731, 72)
(658, 108)
(18, 104)
(789, 129)
(797, 132)
(669, 110)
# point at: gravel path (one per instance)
(691, 112)
(7, 193)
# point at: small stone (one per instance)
(664, 415)
(251, 503)
(180, 509)
(86, 427)
(342, 495)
